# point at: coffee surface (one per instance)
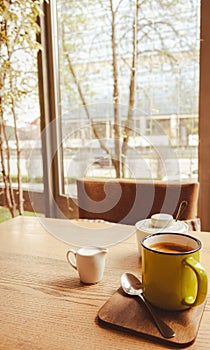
(170, 247)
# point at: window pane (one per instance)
(19, 107)
(128, 88)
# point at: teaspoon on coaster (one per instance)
(131, 285)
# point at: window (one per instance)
(123, 90)
(19, 107)
(153, 111)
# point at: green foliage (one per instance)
(18, 46)
(5, 215)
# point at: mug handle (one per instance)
(202, 282)
(69, 259)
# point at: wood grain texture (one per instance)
(44, 306)
(129, 314)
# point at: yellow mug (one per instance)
(173, 278)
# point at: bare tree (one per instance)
(18, 41)
(127, 24)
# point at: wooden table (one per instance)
(43, 304)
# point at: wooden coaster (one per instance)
(129, 314)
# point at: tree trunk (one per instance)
(19, 177)
(8, 190)
(131, 104)
(117, 134)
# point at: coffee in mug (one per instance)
(169, 247)
(172, 276)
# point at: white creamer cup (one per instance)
(146, 227)
(89, 263)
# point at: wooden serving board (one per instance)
(129, 314)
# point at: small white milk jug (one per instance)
(89, 262)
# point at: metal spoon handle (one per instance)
(164, 329)
(182, 207)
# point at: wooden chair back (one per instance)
(128, 201)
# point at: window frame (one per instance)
(204, 120)
(55, 203)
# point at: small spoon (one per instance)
(132, 286)
(182, 207)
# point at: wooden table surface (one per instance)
(44, 306)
